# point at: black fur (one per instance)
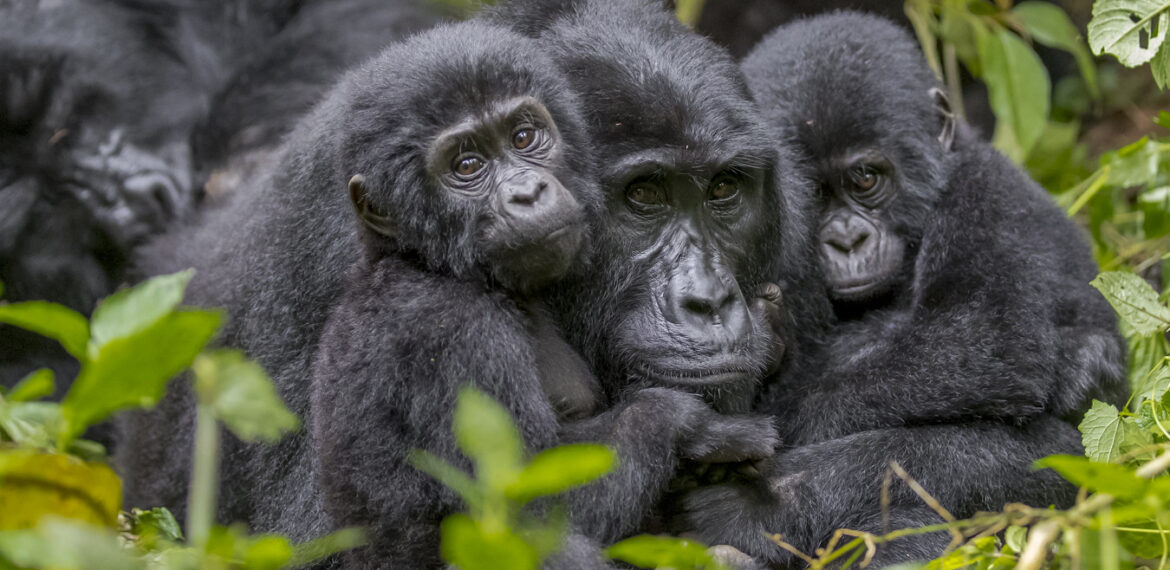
(93, 159)
(273, 257)
(992, 341)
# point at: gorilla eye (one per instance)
(523, 138)
(646, 193)
(467, 165)
(864, 178)
(724, 187)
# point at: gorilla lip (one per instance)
(694, 377)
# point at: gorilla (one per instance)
(89, 166)
(967, 338)
(662, 308)
(473, 194)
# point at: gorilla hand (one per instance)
(769, 305)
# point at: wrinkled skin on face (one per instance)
(497, 170)
(690, 206)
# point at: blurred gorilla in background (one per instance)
(94, 121)
(968, 340)
(113, 114)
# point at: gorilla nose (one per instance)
(527, 194)
(700, 297)
(847, 242)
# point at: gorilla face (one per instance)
(483, 175)
(688, 183)
(76, 191)
(497, 169)
(860, 254)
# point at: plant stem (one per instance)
(951, 63)
(204, 478)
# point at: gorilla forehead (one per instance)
(649, 83)
(438, 77)
(847, 80)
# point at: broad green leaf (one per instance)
(1014, 538)
(328, 545)
(154, 528)
(1143, 544)
(133, 371)
(1163, 119)
(485, 432)
(1160, 66)
(35, 483)
(646, 551)
(1051, 26)
(1106, 435)
(62, 543)
(559, 469)
(957, 28)
(1131, 30)
(465, 544)
(1117, 480)
(1155, 207)
(135, 309)
(35, 386)
(1134, 300)
(267, 552)
(57, 322)
(31, 424)
(242, 395)
(1018, 90)
(688, 11)
(1135, 164)
(450, 476)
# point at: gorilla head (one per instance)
(877, 180)
(90, 165)
(689, 200)
(481, 173)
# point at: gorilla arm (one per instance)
(808, 493)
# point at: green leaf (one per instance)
(1051, 26)
(1163, 119)
(1143, 544)
(1134, 300)
(35, 484)
(153, 526)
(561, 468)
(1131, 30)
(62, 543)
(267, 552)
(646, 551)
(486, 433)
(135, 309)
(328, 545)
(1117, 480)
(1106, 435)
(450, 476)
(133, 371)
(242, 395)
(465, 544)
(31, 424)
(1018, 90)
(1160, 66)
(57, 322)
(35, 386)
(1014, 538)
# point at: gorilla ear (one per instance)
(369, 216)
(942, 104)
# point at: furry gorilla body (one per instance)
(463, 182)
(967, 329)
(272, 258)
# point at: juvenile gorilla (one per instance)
(473, 196)
(273, 257)
(966, 330)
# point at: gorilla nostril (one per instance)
(697, 306)
(857, 241)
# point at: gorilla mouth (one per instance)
(694, 376)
